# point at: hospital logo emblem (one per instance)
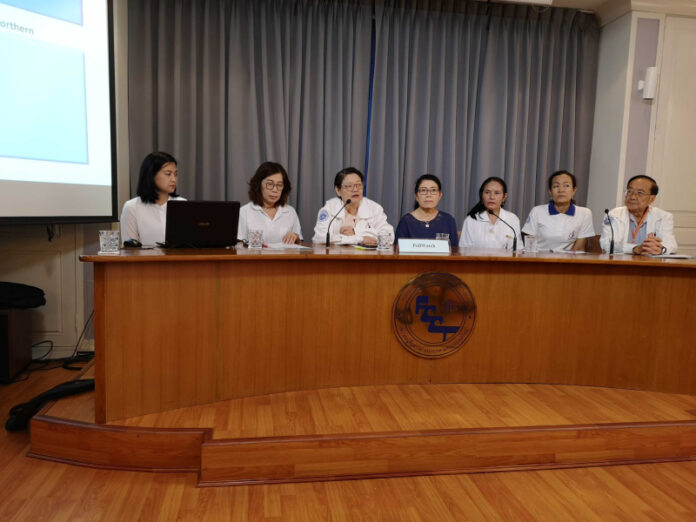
(434, 315)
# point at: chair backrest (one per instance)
(592, 246)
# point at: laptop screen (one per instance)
(201, 224)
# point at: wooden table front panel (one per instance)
(173, 334)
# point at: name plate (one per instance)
(424, 246)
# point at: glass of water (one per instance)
(384, 241)
(256, 238)
(109, 241)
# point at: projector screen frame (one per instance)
(113, 217)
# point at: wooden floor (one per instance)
(32, 489)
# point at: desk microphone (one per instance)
(328, 230)
(611, 245)
(514, 234)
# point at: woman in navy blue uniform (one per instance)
(426, 220)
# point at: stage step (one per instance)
(378, 431)
(381, 455)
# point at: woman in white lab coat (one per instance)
(360, 222)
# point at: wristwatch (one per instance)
(664, 250)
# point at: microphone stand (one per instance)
(328, 229)
(514, 234)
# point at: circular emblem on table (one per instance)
(434, 315)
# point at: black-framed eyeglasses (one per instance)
(270, 185)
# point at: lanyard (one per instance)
(640, 224)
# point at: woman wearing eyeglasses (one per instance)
(486, 225)
(360, 222)
(426, 220)
(268, 209)
(560, 225)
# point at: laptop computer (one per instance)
(201, 224)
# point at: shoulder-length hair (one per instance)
(480, 207)
(268, 168)
(151, 165)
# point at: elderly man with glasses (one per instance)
(639, 228)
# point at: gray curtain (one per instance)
(464, 90)
(176, 90)
(226, 85)
(467, 90)
(299, 77)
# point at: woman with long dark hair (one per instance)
(485, 224)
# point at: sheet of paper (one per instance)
(284, 246)
(671, 256)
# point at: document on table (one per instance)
(671, 256)
(561, 251)
(285, 246)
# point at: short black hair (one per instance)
(560, 173)
(268, 168)
(653, 190)
(340, 176)
(151, 165)
(426, 177)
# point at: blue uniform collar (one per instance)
(554, 212)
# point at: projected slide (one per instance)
(55, 101)
(68, 10)
(48, 121)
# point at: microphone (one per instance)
(514, 234)
(328, 229)
(611, 245)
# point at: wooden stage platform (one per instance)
(378, 431)
(261, 367)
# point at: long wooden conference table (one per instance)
(178, 328)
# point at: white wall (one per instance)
(608, 136)
(674, 149)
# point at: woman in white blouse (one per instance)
(485, 225)
(268, 210)
(145, 217)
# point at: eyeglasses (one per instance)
(557, 186)
(356, 186)
(637, 193)
(431, 191)
(270, 185)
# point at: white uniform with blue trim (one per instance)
(481, 233)
(556, 231)
(658, 222)
(252, 217)
(370, 221)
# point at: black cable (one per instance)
(50, 349)
(83, 356)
